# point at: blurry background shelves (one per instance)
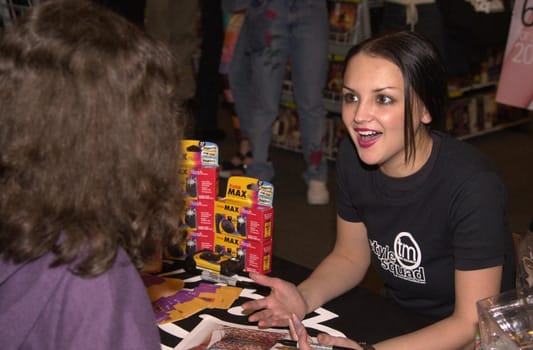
(472, 110)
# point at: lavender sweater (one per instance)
(50, 308)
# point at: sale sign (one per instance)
(515, 86)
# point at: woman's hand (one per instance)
(299, 333)
(326, 339)
(275, 310)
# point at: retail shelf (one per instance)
(473, 88)
(495, 128)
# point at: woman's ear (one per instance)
(426, 117)
(420, 112)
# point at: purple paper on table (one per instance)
(164, 304)
(150, 280)
(206, 288)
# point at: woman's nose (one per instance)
(362, 113)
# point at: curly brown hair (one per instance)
(90, 128)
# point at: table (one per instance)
(359, 314)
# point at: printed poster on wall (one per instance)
(515, 86)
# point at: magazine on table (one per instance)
(212, 333)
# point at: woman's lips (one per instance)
(367, 138)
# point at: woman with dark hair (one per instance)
(88, 177)
(428, 211)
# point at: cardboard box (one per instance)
(197, 220)
(244, 222)
(239, 225)
(249, 191)
(257, 254)
(196, 153)
(198, 175)
(199, 170)
(253, 223)
(196, 240)
(198, 214)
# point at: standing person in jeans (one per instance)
(273, 32)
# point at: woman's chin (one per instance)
(367, 157)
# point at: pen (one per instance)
(316, 346)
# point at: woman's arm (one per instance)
(454, 332)
(457, 331)
(342, 269)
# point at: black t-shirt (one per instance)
(449, 215)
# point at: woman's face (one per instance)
(373, 112)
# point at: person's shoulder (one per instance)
(120, 277)
(123, 269)
(458, 155)
(463, 166)
(33, 270)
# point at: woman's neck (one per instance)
(423, 147)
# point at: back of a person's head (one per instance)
(89, 138)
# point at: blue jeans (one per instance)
(273, 32)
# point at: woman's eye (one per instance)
(349, 97)
(384, 100)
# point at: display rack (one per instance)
(474, 112)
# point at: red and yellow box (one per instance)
(247, 209)
(197, 220)
(196, 240)
(257, 255)
(253, 223)
(198, 174)
(244, 222)
(199, 169)
(198, 214)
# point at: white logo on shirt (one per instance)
(407, 251)
(403, 261)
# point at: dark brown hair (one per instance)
(89, 138)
